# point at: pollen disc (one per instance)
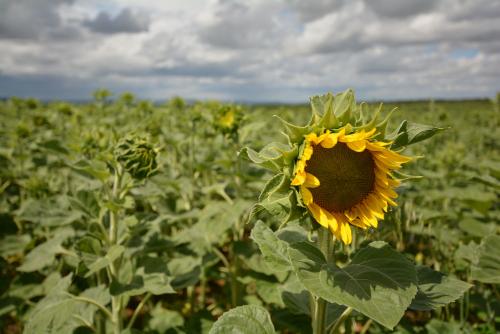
(346, 177)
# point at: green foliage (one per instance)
(180, 247)
(248, 319)
(487, 267)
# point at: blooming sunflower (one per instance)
(340, 168)
(345, 179)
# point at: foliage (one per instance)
(162, 236)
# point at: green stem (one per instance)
(336, 326)
(116, 302)
(230, 268)
(318, 315)
(138, 309)
(85, 322)
(93, 302)
(203, 286)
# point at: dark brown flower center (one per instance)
(346, 177)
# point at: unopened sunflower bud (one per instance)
(137, 156)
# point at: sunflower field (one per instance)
(125, 216)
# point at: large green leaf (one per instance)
(436, 289)
(487, 268)
(274, 250)
(379, 282)
(61, 312)
(44, 254)
(151, 276)
(248, 319)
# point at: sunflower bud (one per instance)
(137, 156)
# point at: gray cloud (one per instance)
(236, 24)
(251, 50)
(312, 10)
(473, 10)
(125, 22)
(400, 8)
(29, 19)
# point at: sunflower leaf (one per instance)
(248, 319)
(269, 157)
(294, 132)
(409, 133)
(379, 282)
(275, 251)
(436, 289)
(277, 183)
(487, 267)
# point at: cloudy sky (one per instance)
(259, 50)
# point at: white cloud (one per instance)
(251, 50)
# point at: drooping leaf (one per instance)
(248, 319)
(436, 289)
(44, 254)
(487, 268)
(93, 169)
(379, 282)
(61, 312)
(275, 251)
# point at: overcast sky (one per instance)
(273, 50)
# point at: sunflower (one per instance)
(345, 179)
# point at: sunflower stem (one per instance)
(318, 315)
(116, 301)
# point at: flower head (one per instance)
(340, 169)
(345, 179)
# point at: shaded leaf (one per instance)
(487, 268)
(379, 282)
(274, 250)
(248, 319)
(436, 289)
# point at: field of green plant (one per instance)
(122, 216)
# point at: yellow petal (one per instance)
(333, 224)
(393, 156)
(368, 218)
(306, 155)
(307, 197)
(345, 233)
(299, 178)
(394, 182)
(392, 164)
(357, 136)
(387, 199)
(311, 181)
(330, 140)
(312, 138)
(373, 147)
(357, 146)
(351, 214)
(389, 192)
(323, 217)
(359, 223)
(375, 207)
